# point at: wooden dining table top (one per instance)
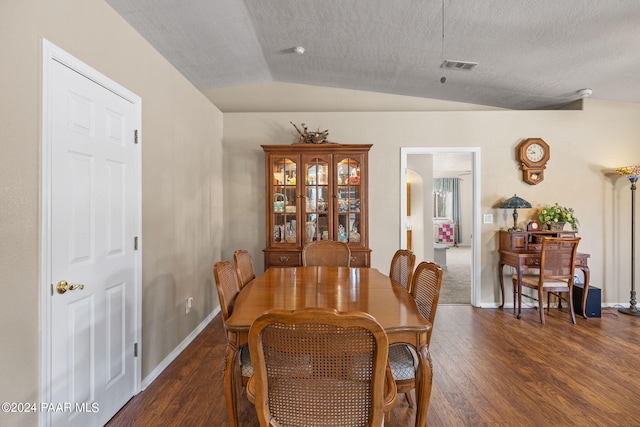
(341, 288)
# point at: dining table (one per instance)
(342, 288)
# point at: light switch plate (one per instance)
(488, 218)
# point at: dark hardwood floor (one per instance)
(490, 369)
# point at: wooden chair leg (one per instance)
(549, 300)
(541, 304)
(514, 283)
(569, 300)
(409, 399)
(560, 301)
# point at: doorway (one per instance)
(432, 229)
(90, 251)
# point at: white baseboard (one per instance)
(176, 352)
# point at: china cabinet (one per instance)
(315, 192)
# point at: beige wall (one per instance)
(182, 172)
(583, 144)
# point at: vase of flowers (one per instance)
(555, 217)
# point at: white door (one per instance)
(93, 197)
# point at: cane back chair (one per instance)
(228, 288)
(425, 288)
(317, 366)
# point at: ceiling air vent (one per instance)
(458, 65)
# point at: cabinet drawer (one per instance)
(532, 262)
(283, 259)
(360, 259)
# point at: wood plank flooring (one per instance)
(490, 369)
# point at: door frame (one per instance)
(475, 223)
(51, 53)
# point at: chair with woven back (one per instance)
(402, 265)
(425, 288)
(244, 267)
(228, 287)
(326, 253)
(317, 366)
(556, 273)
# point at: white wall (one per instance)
(422, 165)
(416, 219)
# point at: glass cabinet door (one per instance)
(284, 196)
(349, 192)
(317, 200)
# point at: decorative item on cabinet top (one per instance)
(307, 137)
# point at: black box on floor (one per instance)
(594, 300)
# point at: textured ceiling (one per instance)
(532, 54)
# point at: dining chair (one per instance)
(228, 289)
(326, 253)
(425, 289)
(317, 366)
(244, 267)
(402, 265)
(555, 276)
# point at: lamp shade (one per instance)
(629, 171)
(515, 202)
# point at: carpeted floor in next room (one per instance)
(456, 281)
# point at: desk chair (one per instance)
(244, 267)
(228, 288)
(557, 266)
(326, 253)
(317, 366)
(425, 288)
(402, 265)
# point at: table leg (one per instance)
(232, 382)
(587, 273)
(424, 378)
(519, 293)
(501, 279)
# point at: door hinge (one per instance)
(135, 243)
(135, 350)
(135, 136)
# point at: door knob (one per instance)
(64, 287)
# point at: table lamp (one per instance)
(516, 203)
(632, 173)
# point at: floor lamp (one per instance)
(632, 173)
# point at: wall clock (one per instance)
(533, 155)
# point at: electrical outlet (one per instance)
(188, 304)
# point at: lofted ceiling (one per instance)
(531, 54)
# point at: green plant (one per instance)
(556, 213)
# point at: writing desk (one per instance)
(521, 250)
(341, 288)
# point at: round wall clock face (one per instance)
(535, 152)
